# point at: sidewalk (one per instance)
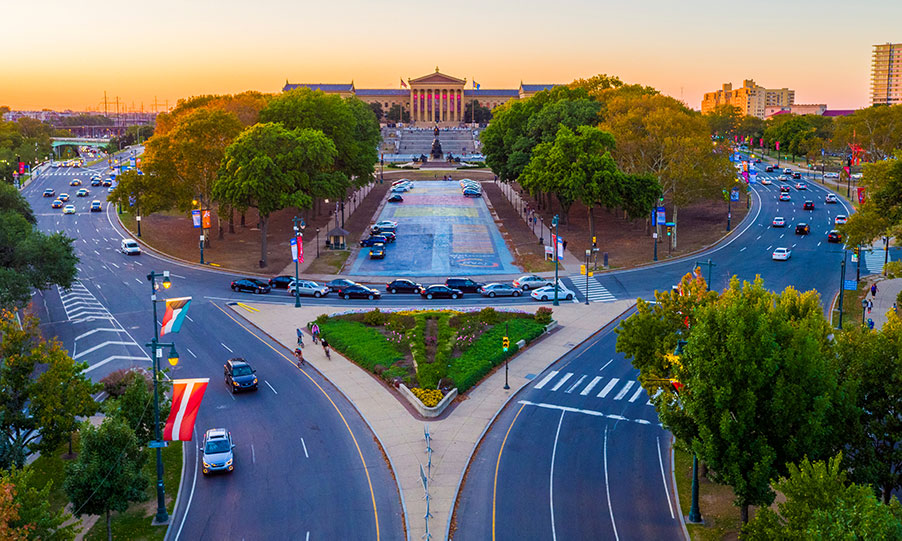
(453, 437)
(887, 290)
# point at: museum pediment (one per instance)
(438, 78)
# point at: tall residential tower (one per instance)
(886, 74)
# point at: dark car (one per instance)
(439, 291)
(464, 284)
(373, 240)
(107, 182)
(403, 285)
(377, 251)
(95, 182)
(834, 236)
(809, 205)
(784, 189)
(251, 285)
(769, 168)
(358, 291)
(395, 198)
(339, 283)
(239, 375)
(96, 206)
(390, 236)
(797, 176)
(802, 229)
(280, 282)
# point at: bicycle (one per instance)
(300, 357)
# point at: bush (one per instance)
(488, 315)
(395, 372)
(399, 323)
(115, 383)
(363, 345)
(486, 352)
(374, 318)
(543, 315)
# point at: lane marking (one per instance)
(138, 280)
(192, 353)
(253, 454)
(624, 390)
(227, 347)
(607, 388)
(189, 318)
(605, 365)
(551, 476)
(270, 386)
(591, 384)
(575, 385)
(562, 381)
(607, 485)
(191, 494)
(743, 248)
(664, 478)
(636, 394)
(305, 448)
(546, 379)
(497, 464)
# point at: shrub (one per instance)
(488, 315)
(486, 352)
(395, 372)
(374, 318)
(115, 383)
(543, 315)
(429, 397)
(363, 345)
(399, 323)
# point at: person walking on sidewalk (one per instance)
(299, 355)
(873, 290)
(870, 305)
(300, 338)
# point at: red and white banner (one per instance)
(861, 195)
(186, 397)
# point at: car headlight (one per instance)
(206, 465)
(234, 383)
(255, 380)
(229, 463)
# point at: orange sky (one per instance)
(62, 55)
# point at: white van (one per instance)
(129, 247)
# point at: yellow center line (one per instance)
(359, 452)
(497, 464)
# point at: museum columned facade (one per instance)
(432, 99)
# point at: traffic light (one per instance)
(669, 230)
(505, 343)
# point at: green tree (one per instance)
(752, 127)
(725, 120)
(396, 113)
(29, 259)
(877, 129)
(107, 474)
(821, 504)
(881, 214)
(761, 387)
(44, 405)
(135, 406)
(871, 363)
(376, 107)
(794, 131)
(35, 513)
(269, 168)
(477, 112)
(143, 193)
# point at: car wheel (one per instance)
(516, 293)
(317, 294)
(347, 296)
(492, 294)
(525, 287)
(454, 295)
(569, 297)
(545, 297)
(370, 296)
(393, 290)
(429, 296)
(233, 288)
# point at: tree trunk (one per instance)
(673, 238)
(206, 238)
(702, 469)
(221, 235)
(591, 222)
(242, 219)
(70, 444)
(232, 221)
(264, 223)
(109, 527)
(744, 513)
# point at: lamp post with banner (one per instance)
(554, 249)
(297, 249)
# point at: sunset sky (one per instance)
(64, 55)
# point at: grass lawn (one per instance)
(721, 517)
(533, 262)
(52, 467)
(851, 303)
(328, 262)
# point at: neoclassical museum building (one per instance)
(432, 99)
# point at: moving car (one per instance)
(766, 181)
(96, 206)
(464, 284)
(779, 222)
(547, 293)
(377, 251)
(309, 288)
(239, 375)
(831, 199)
(107, 182)
(438, 291)
(769, 168)
(796, 175)
(808, 205)
(531, 281)
(403, 285)
(57, 204)
(251, 285)
(82, 192)
(74, 182)
(784, 197)
(834, 236)
(358, 291)
(787, 171)
(831, 175)
(801, 186)
(472, 192)
(499, 290)
(49, 192)
(217, 451)
(782, 254)
(802, 228)
(69, 209)
(64, 197)
(783, 178)
(784, 189)
(373, 240)
(395, 198)
(339, 283)
(95, 181)
(840, 219)
(280, 282)
(129, 247)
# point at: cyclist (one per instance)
(300, 356)
(300, 338)
(325, 347)
(315, 332)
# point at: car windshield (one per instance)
(243, 370)
(216, 446)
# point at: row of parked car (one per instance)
(470, 188)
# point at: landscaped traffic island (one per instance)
(431, 352)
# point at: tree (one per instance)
(597, 84)
(871, 363)
(725, 120)
(35, 513)
(9, 514)
(107, 475)
(376, 107)
(135, 406)
(752, 127)
(481, 114)
(881, 214)
(28, 258)
(144, 193)
(761, 387)
(821, 504)
(878, 129)
(397, 113)
(33, 406)
(269, 168)
(794, 131)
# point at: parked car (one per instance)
(217, 451)
(339, 283)
(808, 205)
(531, 281)
(378, 230)
(280, 282)
(377, 251)
(386, 224)
(439, 291)
(781, 254)
(49, 192)
(358, 291)
(464, 284)
(390, 236)
(403, 285)
(251, 285)
(840, 219)
(69, 209)
(373, 240)
(802, 228)
(308, 288)
(57, 204)
(830, 174)
(831, 199)
(500, 290)
(129, 247)
(239, 375)
(834, 236)
(472, 192)
(96, 206)
(395, 198)
(547, 293)
(779, 222)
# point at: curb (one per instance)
(676, 494)
(175, 504)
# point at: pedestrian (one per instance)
(325, 347)
(870, 324)
(300, 338)
(565, 244)
(870, 305)
(315, 332)
(873, 290)
(895, 310)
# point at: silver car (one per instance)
(217, 451)
(309, 288)
(531, 281)
(500, 290)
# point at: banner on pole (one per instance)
(206, 219)
(560, 249)
(753, 177)
(294, 248)
(734, 195)
(195, 218)
(176, 310)
(186, 398)
(662, 215)
(861, 195)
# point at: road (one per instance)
(580, 453)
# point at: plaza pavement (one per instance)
(455, 435)
(887, 290)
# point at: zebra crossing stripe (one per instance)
(591, 384)
(624, 390)
(657, 393)
(562, 381)
(636, 394)
(596, 291)
(546, 379)
(575, 385)
(607, 388)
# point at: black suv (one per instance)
(464, 284)
(239, 375)
(439, 291)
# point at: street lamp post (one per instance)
(864, 309)
(162, 517)
(554, 222)
(842, 286)
(507, 359)
(317, 242)
(299, 225)
(858, 265)
(729, 209)
(542, 230)
(588, 254)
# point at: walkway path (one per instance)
(453, 437)
(887, 290)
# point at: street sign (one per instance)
(158, 444)
(734, 195)
(850, 285)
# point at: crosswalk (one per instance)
(81, 305)
(596, 292)
(873, 260)
(598, 386)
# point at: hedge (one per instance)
(486, 353)
(363, 345)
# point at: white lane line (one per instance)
(254, 455)
(192, 353)
(607, 485)
(743, 248)
(136, 263)
(575, 385)
(591, 384)
(818, 243)
(768, 248)
(189, 318)
(562, 381)
(607, 388)
(664, 478)
(113, 264)
(605, 365)
(551, 475)
(305, 448)
(758, 237)
(139, 280)
(624, 390)
(190, 497)
(270, 386)
(636, 394)
(546, 379)
(227, 347)
(308, 537)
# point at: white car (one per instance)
(386, 224)
(831, 198)
(547, 293)
(782, 254)
(856, 176)
(779, 222)
(309, 288)
(69, 209)
(840, 219)
(787, 171)
(831, 175)
(129, 247)
(531, 281)
(766, 181)
(783, 178)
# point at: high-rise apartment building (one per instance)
(751, 99)
(886, 74)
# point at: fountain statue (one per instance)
(436, 151)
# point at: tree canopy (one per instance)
(877, 129)
(35, 515)
(881, 213)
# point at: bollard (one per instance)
(605, 260)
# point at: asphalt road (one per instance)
(579, 453)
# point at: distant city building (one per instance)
(751, 99)
(796, 109)
(886, 74)
(435, 98)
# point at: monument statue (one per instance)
(436, 151)
(435, 131)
